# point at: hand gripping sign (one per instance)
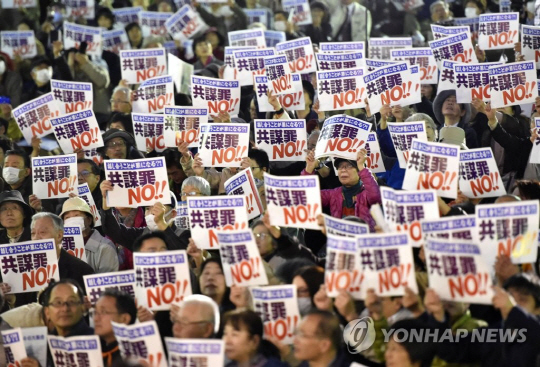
(421, 56)
(242, 263)
(13, 346)
(535, 152)
(291, 102)
(342, 136)
(433, 166)
(96, 284)
(342, 271)
(29, 266)
(472, 81)
(387, 264)
(440, 31)
(72, 96)
(250, 63)
(116, 40)
(342, 47)
(459, 270)
(137, 182)
(19, 43)
(211, 214)
(215, 94)
(85, 194)
(185, 23)
(195, 352)
(374, 159)
(76, 350)
(182, 124)
(153, 95)
(148, 130)
(161, 279)
(530, 43)
(454, 48)
(139, 65)
(512, 84)
(140, 342)
(379, 48)
(223, 145)
(404, 210)
(293, 201)
(247, 37)
(277, 306)
(76, 131)
(509, 229)
(300, 9)
(33, 117)
(73, 242)
(402, 135)
(393, 85)
(243, 183)
(282, 140)
(278, 74)
(299, 53)
(341, 89)
(75, 34)
(458, 228)
(344, 228)
(479, 174)
(498, 31)
(153, 23)
(338, 61)
(54, 176)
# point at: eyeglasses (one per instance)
(255, 167)
(85, 173)
(345, 166)
(114, 144)
(69, 304)
(107, 313)
(113, 101)
(187, 323)
(300, 334)
(190, 193)
(14, 208)
(260, 235)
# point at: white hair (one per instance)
(205, 300)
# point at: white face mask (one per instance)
(224, 11)
(75, 221)
(470, 12)
(151, 221)
(304, 305)
(531, 7)
(11, 175)
(2, 67)
(44, 75)
(280, 25)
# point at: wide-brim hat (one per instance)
(453, 135)
(78, 204)
(15, 196)
(438, 103)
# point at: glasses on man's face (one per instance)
(117, 101)
(85, 173)
(184, 323)
(114, 144)
(104, 313)
(69, 304)
(260, 236)
(345, 167)
(11, 208)
(190, 193)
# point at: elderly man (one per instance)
(119, 144)
(121, 100)
(450, 113)
(196, 318)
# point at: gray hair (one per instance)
(440, 2)
(428, 120)
(57, 222)
(200, 183)
(152, 39)
(200, 299)
(125, 90)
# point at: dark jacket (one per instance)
(79, 329)
(111, 353)
(69, 267)
(25, 236)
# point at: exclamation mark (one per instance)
(289, 328)
(315, 207)
(375, 160)
(355, 140)
(452, 178)
(289, 81)
(360, 144)
(496, 181)
(358, 93)
(73, 180)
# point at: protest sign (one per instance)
(140, 342)
(223, 145)
(35, 342)
(211, 214)
(139, 65)
(17, 4)
(272, 38)
(338, 61)
(343, 227)
(182, 218)
(124, 16)
(247, 37)
(404, 210)
(76, 351)
(453, 227)
(137, 182)
(33, 117)
(387, 264)
(479, 174)
(402, 135)
(300, 9)
(85, 194)
(116, 40)
(277, 306)
(343, 47)
(161, 279)
(455, 48)
(73, 242)
(535, 152)
(342, 136)
(433, 166)
(259, 16)
(19, 43)
(505, 6)
(374, 159)
(459, 270)
(421, 56)
(215, 94)
(181, 73)
(75, 34)
(282, 140)
(512, 84)
(13, 346)
(228, 57)
(291, 102)
(342, 270)
(293, 201)
(371, 64)
(153, 23)
(509, 229)
(72, 96)
(447, 79)
(29, 266)
(195, 352)
(341, 89)
(440, 31)
(243, 183)
(379, 48)
(249, 63)
(299, 53)
(242, 263)
(185, 23)
(148, 130)
(54, 176)
(96, 284)
(472, 23)
(530, 43)
(472, 81)
(93, 155)
(278, 74)
(498, 31)
(394, 85)
(182, 124)
(153, 95)
(80, 9)
(78, 130)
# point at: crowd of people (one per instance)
(291, 256)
